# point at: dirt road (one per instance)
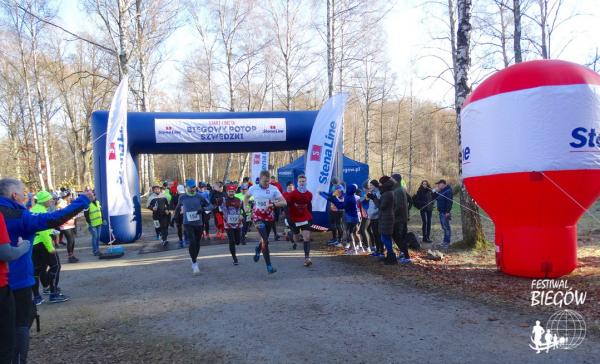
(150, 309)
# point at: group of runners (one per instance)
(258, 203)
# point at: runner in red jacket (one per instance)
(300, 215)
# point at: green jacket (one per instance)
(167, 194)
(44, 236)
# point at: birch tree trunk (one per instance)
(517, 31)
(472, 230)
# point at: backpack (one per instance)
(412, 241)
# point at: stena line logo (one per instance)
(315, 153)
(169, 131)
(585, 138)
(327, 153)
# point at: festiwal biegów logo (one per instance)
(565, 330)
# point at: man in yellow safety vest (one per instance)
(93, 217)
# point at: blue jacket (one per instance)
(22, 223)
(444, 199)
(348, 205)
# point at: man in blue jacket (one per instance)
(443, 197)
(21, 223)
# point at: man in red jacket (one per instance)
(300, 215)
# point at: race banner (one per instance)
(117, 187)
(322, 147)
(220, 130)
(260, 162)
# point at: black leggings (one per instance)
(337, 225)
(47, 268)
(205, 222)
(264, 229)
(179, 231)
(375, 235)
(7, 324)
(426, 226)
(193, 232)
(70, 235)
(362, 231)
(164, 227)
(235, 237)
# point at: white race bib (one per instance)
(192, 216)
(302, 223)
(156, 223)
(262, 204)
(233, 219)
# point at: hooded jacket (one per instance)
(400, 204)
(372, 208)
(349, 204)
(386, 208)
(20, 222)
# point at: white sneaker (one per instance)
(195, 269)
(347, 246)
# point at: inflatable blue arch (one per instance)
(145, 137)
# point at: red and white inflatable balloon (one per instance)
(531, 160)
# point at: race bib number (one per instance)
(156, 223)
(192, 216)
(233, 219)
(302, 223)
(263, 205)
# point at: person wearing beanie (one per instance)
(400, 217)
(386, 217)
(351, 218)
(46, 261)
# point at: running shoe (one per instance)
(307, 262)
(73, 259)
(256, 254)
(165, 244)
(38, 300)
(235, 262)
(338, 245)
(347, 246)
(405, 261)
(195, 269)
(270, 269)
(294, 246)
(57, 298)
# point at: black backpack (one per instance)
(412, 241)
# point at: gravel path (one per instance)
(150, 309)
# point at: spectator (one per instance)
(386, 217)
(68, 228)
(372, 197)
(423, 200)
(8, 253)
(22, 223)
(93, 217)
(443, 197)
(400, 218)
(336, 216)
(351, 218)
